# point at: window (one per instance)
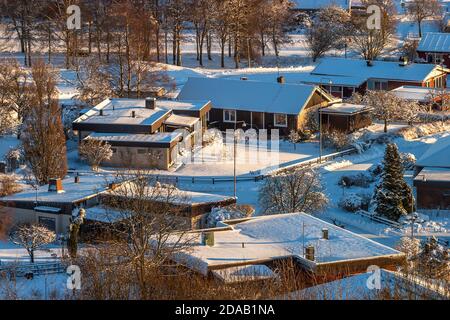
(336, 91)
(49, 223)
(378, 85)
(114, 150)
(229, 116)
(280, 120)
(207, 116)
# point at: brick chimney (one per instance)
(281, 79)
(150, 103)
(55, 185)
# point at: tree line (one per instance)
(151, 30)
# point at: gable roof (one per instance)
(379, 70)
(270, 97)
(435, 42)
(437, 155)
(319, 4)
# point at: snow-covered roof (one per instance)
(434, 175)
(178, 197)
(319, 4)
(379, 70)
(89, 186)
(104, 214)
(437, 155)
(303, 77)
(244, 273)
(120, 111)
(421, 94)
(435, 42)
(270, 237)
(179, 120)
(356, 288)
(345, 108)
(248, 95)
(160, 137)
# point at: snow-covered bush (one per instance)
(336, 139)
(212, 136)
(224, 213)
(408, 160)
(361, 179)
(422, 130)
(8, 185)
(360, 146)
(355, 202)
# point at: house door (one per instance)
(257, 120)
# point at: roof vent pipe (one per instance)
(309, 253)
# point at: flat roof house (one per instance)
(434, 47)
(424, 95)
(432, 181)
(356, 75)
(144, 133)
(346, 117)
(52, 205)
(315, 245)
(261, 105)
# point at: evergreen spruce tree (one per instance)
(393, 196)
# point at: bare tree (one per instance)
(370, 43)
(409, 110)
(384, 104)
(95, 152)
(327, 31)
(32, 237)
(300, 191)
(43, 137)
(149, 226)
(420, 10)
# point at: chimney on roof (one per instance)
(150, 103)
(403, 61)
(309, 253)
(369, 63)
(281, 79)
(244, 78)
(101, 112)
(77, 178)
(325, 234)
(55, 185)
(133, 114)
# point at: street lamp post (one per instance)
(234, 157)
(330, 83)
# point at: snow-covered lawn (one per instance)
(11, 253)
(438, 224)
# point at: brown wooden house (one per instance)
(261, 105)
(345, 117)
(432, 180)
(338, 75)
(434, 48)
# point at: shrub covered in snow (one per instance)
(408, 160)
(361, 179)
(426, 129)
(336, 139)
(355, 202)
(376, 170)
(212, 136)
